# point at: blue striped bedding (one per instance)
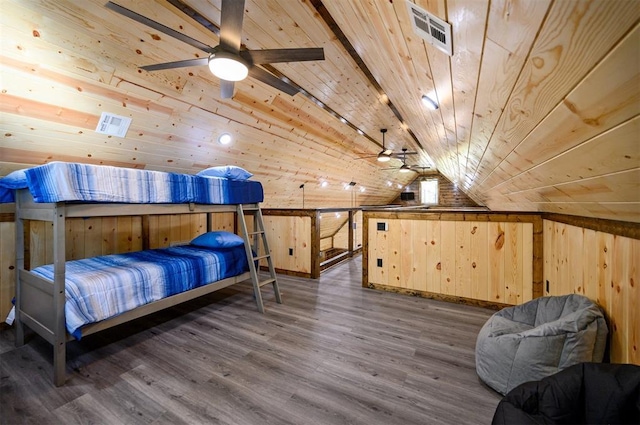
(102, 287)
(62, 181)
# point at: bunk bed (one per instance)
(71, 299)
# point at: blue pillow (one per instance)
(218, 239)
(227, 171)
(15, 180)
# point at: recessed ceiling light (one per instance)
(224, 139)
(429, 103)
(324, 184)
(360, 132)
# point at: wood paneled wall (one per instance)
(603, 267)
(494, 258)
(7, 267)
(289, 239)
(449, 195)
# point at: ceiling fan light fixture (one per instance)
(228, 66)
(384, 157)
(405, 168)
(429, 103)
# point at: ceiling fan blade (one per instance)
(401, 154)
(270, 79)
(231, 14)
(158, 26)
(283, 55)
(177, 64)
(226, 89)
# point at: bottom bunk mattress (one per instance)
(102, 287)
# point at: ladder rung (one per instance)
(250, 209)
(260, 232)
(266, 282)
(261, 257)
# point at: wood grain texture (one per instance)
(334, 353)
(484, 260)
(602, 267)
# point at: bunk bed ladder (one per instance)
(254, 255)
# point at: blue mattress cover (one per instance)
(102, 287)
(63, 181)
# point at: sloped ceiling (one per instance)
(538, 105)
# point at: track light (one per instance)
(429, 103)
(228, 66)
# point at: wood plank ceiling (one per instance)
(538, 108)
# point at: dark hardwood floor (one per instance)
(333, 353)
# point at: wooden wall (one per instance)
(494, 258)
(289, 239)
(450, 195)
(604, 267)
(7, 267)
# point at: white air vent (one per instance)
(114, 125)
(432, 29)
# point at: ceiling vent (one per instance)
(432, 29)
(113, 125)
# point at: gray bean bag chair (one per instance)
(536, 339)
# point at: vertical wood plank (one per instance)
(37, 243)
(448, 257)
(109, 235)
(590, 264)
(164, 231)
(463, 259)
(378, 251)
(123, 234)
(605, 267)
(549, 271)
(618, 312)
(496, 261)
(153, 231)
(575, 236)
(92, 237)
(513, 259)
(7, 267)
(633, 323)
(525, 291)
(75, 239)
(419, 241)
(394, 253)
(480, 283)
(434, 257)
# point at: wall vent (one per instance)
(432, 29)
(113, 125)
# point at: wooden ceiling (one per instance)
(539, 103)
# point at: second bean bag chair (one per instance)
(586, 393)
(536, 339)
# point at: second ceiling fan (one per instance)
(227, 60)
(385, 154)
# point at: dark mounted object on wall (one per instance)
(407, 196)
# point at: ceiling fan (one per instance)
(386, 154)
(227, 60)
(404, 168)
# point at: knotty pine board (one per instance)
(605, 268)
(467, 259)
(7, 267)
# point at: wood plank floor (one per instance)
(333, 353)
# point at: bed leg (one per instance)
(59, 363)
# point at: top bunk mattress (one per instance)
(63, 181)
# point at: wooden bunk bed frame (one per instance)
(41, 306)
